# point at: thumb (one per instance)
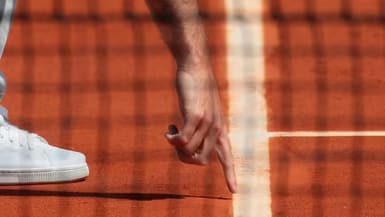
(174, 137)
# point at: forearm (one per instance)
(182, 30)
(204, 128)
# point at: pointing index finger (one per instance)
(225, 157)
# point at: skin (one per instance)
(204, 129)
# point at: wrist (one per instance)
(193, 64)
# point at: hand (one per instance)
(204, 127)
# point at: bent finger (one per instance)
(198, 137)
(190, 126)
(207, 147)
(174, 137)
(189, 159)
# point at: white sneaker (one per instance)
(27, 158)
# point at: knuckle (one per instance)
(207, 120)
(224, 146)
(198, 116)
(184, 158)
(217, 128)
(203, 162)
(189, 150)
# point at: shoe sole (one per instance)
(43, 176)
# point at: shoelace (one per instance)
(16, 135)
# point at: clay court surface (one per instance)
(97, 78)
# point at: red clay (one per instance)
(331, 75)
(324, 71)
(106, 89)
(328, 176)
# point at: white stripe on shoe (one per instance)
(50, 175)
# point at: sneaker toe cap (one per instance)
(62, 158)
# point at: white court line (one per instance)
(248, 116)
(325, 133)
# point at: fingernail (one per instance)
(235, 189)
(168, 135)
(172, 129)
